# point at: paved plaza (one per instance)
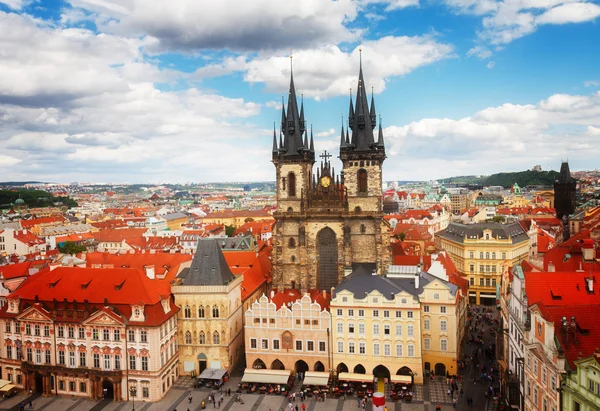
(425, 398)
(177, 399)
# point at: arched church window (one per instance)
(293, 259)
(362, 180)
(202, 338)
(215, 311)
(201, 313)
(187, 312)
(216, 338)
(188, 337)
(291, 185)
(357, 210)
(291, 243)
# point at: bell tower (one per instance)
(362, 156)
(294, 156)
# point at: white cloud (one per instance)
(505, 21)
(393, 4)
(570, 13)
(274, 104)
(491, 64)
(14, 4)
(237, 25)
(329, 71)
(327, 133)
(592, 83)
(498, 139)
(480, 52)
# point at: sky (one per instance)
(146, 91)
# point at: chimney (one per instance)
(551, 267)
(150, 272)
(272, 294)
(324, 294)
(417, 276)
(589, 284)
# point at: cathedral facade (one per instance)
(326, 224)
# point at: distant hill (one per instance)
(506, 180)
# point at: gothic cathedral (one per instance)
(327, 224)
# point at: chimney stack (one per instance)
(150, 273)
(417, 277)
(551, 267)
(589, 284)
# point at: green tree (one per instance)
(229, 230)
(400, 236)
(70, 247)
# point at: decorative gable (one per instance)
(34, 313)
(104, 317)
(137, 313)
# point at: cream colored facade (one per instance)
(210, 324)
(480, 251)
(83, 358)
(440, 327)
(582, 388)
(294, 337)
(373, 332)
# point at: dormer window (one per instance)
(137, 312)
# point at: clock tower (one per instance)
(326, 224)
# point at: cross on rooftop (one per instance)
(326, 156)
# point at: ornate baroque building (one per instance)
(325, 222)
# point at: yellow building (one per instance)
(398, 324)
(210, 317)
(289, 331)
(176, 221)
(480, 250)
(235, 218)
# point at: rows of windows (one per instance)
(487, 282)
(202, 312)
(72, 333)
(487, 255)
(375, 313)
(299, 322)
(299, 345)
(378, 330)
(443, 344)
(216, 338)
(376, 349)
(427, 309)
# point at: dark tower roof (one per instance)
(362, 121)
(208, 266)
(565, 173)
(295, 144)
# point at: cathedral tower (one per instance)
(326, 224)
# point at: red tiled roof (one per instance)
(413, 260)
(544, 242)
(74, 238)
(417, 215)
(153, 243)
(27, 237)
(118, 285)
(27, 224)
(118, 235)
(559, 288)
(452, 272)
(20, 269)
(588, 333)
(568, 256)
(110, 224)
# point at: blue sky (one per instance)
(145, 91)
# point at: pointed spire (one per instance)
(380, 142)
(342, 137)
(274, 139)
(361, 123)
(312, 142)
(302, 122)
(305, 145)
(283, 120)
(351, 109)
(372, 111)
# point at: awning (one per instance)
(266, 376)
(401, 379)
(7, 387)
(481, 295)
(349, 376)
(212, 374)
(3, 383)
(316, 378)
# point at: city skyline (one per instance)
(113, 91)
